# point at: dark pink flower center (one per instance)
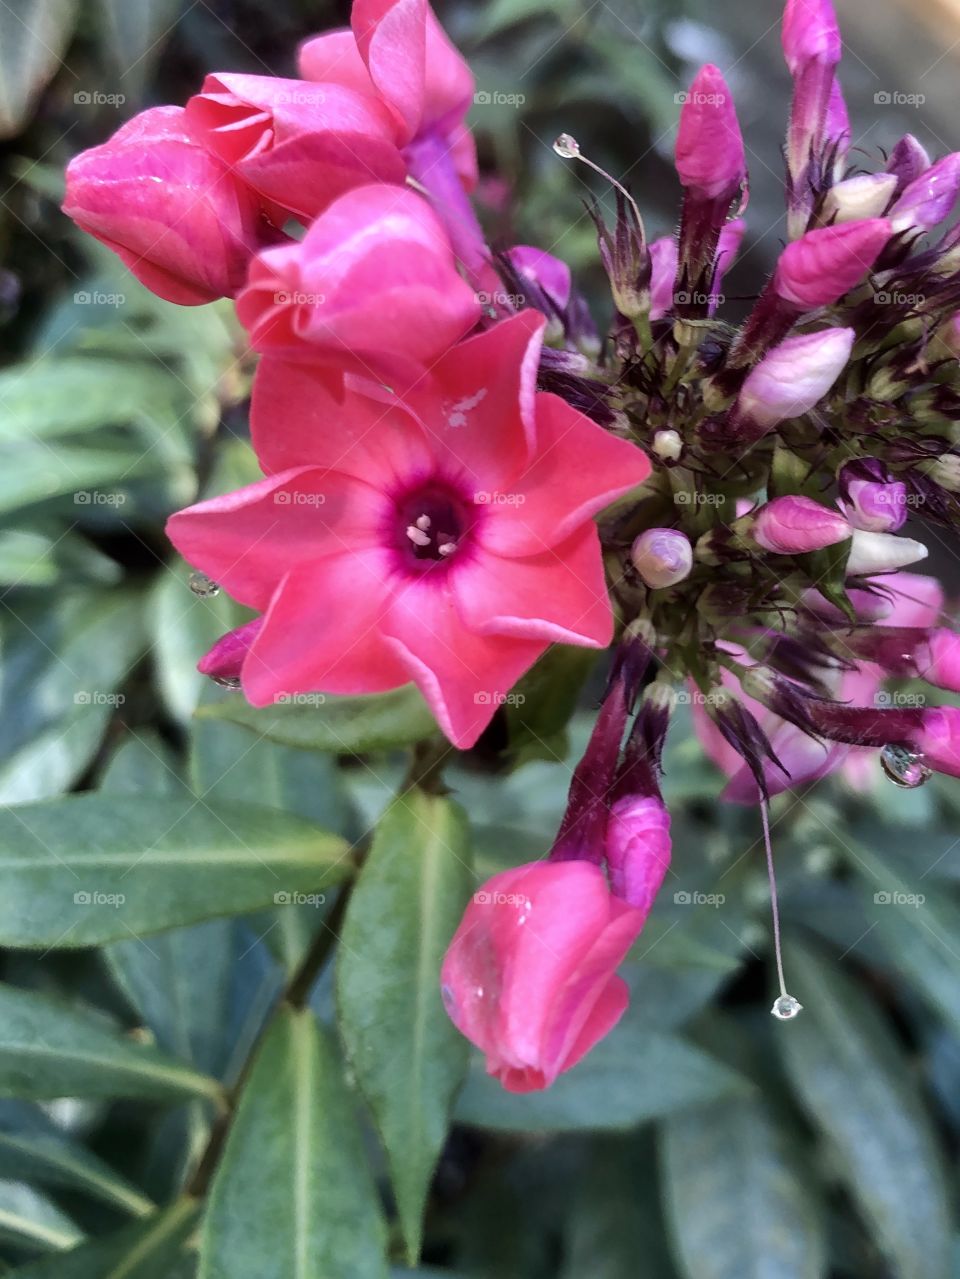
(432, 523)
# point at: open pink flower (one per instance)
(298, 144)
(373, 288)
(175, 214)
(445, 537)
(530, 976)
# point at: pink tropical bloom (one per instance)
(530, 976)
(176, 215)
(372, 288)
(298, 144)
(822, 265)
(709, 154)
(797, 525)
(445, 537)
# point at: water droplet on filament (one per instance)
(567, 146)
(785, 1008)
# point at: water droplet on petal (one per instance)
(567, 146)
(904, 766)
(227, 681)
(203, 587)
(785, 1008)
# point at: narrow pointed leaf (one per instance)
(408, 1058)
(33, 37)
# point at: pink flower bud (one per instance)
(175, 215)
(865, 196)
(908, 160)
(795, 376)
(837, 127)
(810, 34)
(938, 661)
(544, 270)
(939, 740)
(870, 497)
(929, 198)
(530, 978)
(224, 662)
(638, 849)
(372, 287)
(664, 260)
(709, 156)
(822, 265)
(298, 143)
(882, 553)
(795, 525)
(662, 557)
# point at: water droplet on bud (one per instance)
(567, 146)
(785, 1008)
(203, 587)
(904, 766)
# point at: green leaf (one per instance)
(343, 725)
(293, 1195)
(736, 1200)
(406, 1055)
(33, 1149)
(632, 1076)
(53, 398)
(34, 35)
(88, 869)
(542, 704)
(29, 1220)
(135, 32)
(853, 1080)
(50, 1048)
(145, 1250)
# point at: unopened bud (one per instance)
(870, 497)
(796, 525)
(823, 265)
(882, 553)
(794, 376)
(908, 160)
(810, 34)
(929, 198)
(662, 556)
(709, 156)
(668, 445)
(865, 196)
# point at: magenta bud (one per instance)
(870, 497)
(794, 376)
(822, 265)
(939, 740)
(929, 198)
(709, 156)
(810, 34)
(224, 662)
(638, 849)
(794, 525)
(908, 161)
(865, 196)
(662, 557)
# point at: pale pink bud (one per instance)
(870, 497)
(530, 975)
(710, 158)
(865, 196)
(822, 265)
(939, 659)
(929, 198)
(794, 525)
(795, 376)
(810, 34)
(662, 557)
(638, 849)
(882, 553)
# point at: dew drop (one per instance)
(230, 682)
(785, 1008)
(567, 146)
(203, 587)
(904, 766)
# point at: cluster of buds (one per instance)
(439, 424)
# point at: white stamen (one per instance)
(424, 522)
(417, 536)
(447, 548)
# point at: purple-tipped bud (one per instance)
(870, 497)
(822, 265)
(224, 662)
(810, 34)
(710, 157)
(662, 557)
(908, 161)
(794, 377)
(795, 525)
(638, 848)
(865, 196)
(929, 198)
(882, 553)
